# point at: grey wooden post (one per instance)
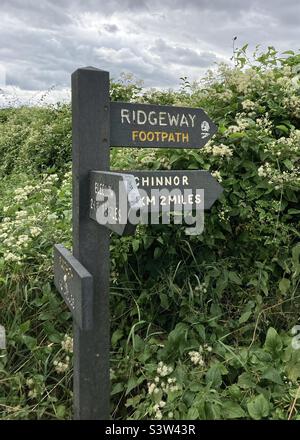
(91, 141)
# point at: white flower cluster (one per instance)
(264, 170)
(163, 385)
(196, 357)
(21, 194)
(217, 175)
(9, 256)
(222, 214)
(163, 369)
(242, 123)
(279, 178)
(201, 288)
(35, 231)
(285, 146)
(165, 162)
(33, 389)
(23, 240)
(241, 80)
(225, 95)
(67, 344)
(21, 226)
(51, 178)
(265, 124)
(248, 105)
(62, 367)
(157, 409)
(218, 150)
(292, 103)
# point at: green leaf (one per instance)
(192, 414)
(133, 382)
(245, 316)
(29, 341)
(292, 371)
(272, 375)
(60, 411)
(116, 336)
(258, 407)
(157, 252)
(284, 285)
(296, 254)
(24, 327)
(117, 388)
(234, 277)
(283, 128)
(232, 410)
(246, 381)
(273, 343)
(289, 164)
(214, 375)
(135, 245)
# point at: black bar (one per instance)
(91, 140)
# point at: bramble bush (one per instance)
(200, 325)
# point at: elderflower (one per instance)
(9, 256)
(218, 150)
(62, 367)
(163, 370)
(151, 387)
(35, 231)
(67, 344)
(217, 175)
(201, 288)
(248, 105)
(196, 358)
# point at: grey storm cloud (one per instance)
(183, 55)
(43, 41)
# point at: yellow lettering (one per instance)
(150, 136)
(171, 137)
(185, 137)
(134, 135)
(143, 136)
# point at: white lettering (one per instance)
(162, 117)
(184, 121)
(192, 118)
(125, 115)
(173, 119)
(141, 121)
(152, 120)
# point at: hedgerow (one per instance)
(200, 325)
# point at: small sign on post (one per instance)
(75, 284)
(114, 199)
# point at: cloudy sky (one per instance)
(43, 41)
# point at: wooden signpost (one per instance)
(83, 277)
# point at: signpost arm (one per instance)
(91, 140)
